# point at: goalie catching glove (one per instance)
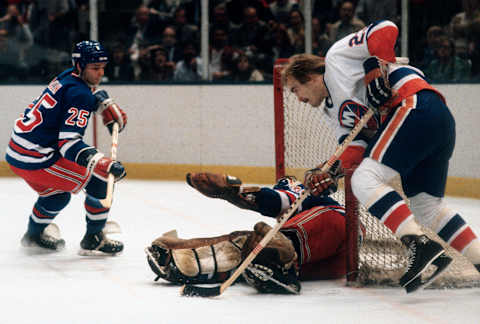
(225, 187)
(323, 183)
(111, 112)
(213, 260)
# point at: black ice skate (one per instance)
(478, 267)
(99, 244)
(422, 253)
(49, 239)
(440, 263)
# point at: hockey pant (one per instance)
(318, 235)
(55, 185)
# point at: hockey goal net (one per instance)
(304, 138)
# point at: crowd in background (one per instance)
(159, 40)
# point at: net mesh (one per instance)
(309, 139)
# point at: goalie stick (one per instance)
(107, 201)
(191, 290)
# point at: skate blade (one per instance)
(97, 253)
(418, 284)
(423, 269)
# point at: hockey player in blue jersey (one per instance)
(47, 150)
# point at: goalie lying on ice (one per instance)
(310, 246)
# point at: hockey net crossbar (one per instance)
(304, 138)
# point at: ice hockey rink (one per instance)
(67, 288)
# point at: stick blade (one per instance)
(195, 291)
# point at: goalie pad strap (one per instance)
(174, 243)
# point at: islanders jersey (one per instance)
(53, 125)
(344, 77)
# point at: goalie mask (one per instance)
(289, 183)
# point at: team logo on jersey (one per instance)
(351, 112)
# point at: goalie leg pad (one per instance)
(211, 263)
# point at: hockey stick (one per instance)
(107, 201)
(191, 290)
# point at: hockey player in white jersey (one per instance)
(412, 134)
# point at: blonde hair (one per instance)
(302, 66)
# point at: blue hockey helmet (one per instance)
(87, 52)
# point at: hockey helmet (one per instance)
(87, 52)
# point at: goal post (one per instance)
(304, 138)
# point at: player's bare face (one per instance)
(312, 92)
(93, 73)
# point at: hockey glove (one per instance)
(110, 111)
(106, 165)
(378, 91)
(323, 183)
(223, 186)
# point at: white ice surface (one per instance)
(66, 288)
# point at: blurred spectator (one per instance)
(119, 68)
(10, 68)
(164, 9)
(190, 68)
(320, 41)
(280, 10)
(296, 30)
(218, 66)
(220, 18)
(251, 37)
(169, 43)
(244, 71)
(227, 66)
(448, 66)
(432, 42)
(18, 32)
(143, 32)
(185, 32)
(236, 10)
(53, 26)
(370, 11)
(465, 27)
(160, 68)
(347, 23)
(282, 48)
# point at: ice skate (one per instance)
(49, 239)
(422, 253)
(99, 244)
(477, 266)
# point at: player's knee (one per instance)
(55, 202)
(369, 178)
